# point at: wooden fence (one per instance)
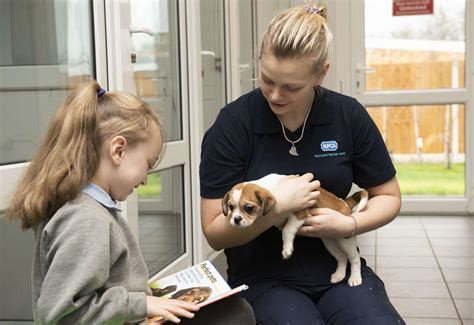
(421, 128)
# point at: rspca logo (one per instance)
(329, 145)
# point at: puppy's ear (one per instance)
(225, 206)
(267, 200)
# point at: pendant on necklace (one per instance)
(293, 151)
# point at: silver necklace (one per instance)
(293, 150)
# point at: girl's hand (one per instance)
(169, 309)
(295, 193)
(326, 223)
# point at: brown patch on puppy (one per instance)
(328, 200)
(252, 194)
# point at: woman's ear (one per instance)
(323, 74)
(117, 149)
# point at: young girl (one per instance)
(87, 266)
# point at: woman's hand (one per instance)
(295, 193)
(327, 223)
(169, 309)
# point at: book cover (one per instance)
(200, 283)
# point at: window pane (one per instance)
(161, 218)
(427, 145)
(156, 70)
(46, 49)
(414, 52)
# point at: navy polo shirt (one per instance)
(341, 145)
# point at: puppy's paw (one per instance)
(337, 277)
(354, 280)
(287, 253)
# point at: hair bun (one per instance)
(312, 9)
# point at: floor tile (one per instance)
(425, 307)
(453, 251)
(407, 261)
(461, 290)
(465, 308)
(410, 233)
(404, 226)
(457, 242)
(398, 241)
(431, 321)
(409, 274)
(445, 220)
(407, 220)
(404, 251)
(462, 262)
(417, 289)
(465, 232)
(458, 275)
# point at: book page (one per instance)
(198, 283)
(201, 284)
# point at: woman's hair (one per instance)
(299, 32)
(68, 157)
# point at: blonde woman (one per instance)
(292, 125)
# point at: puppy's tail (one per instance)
(358, 200)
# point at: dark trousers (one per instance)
(367, 304)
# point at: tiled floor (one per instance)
(427, 265)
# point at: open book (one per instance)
(200, 283)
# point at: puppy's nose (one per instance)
(237, 220)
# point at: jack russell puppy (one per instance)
(247, 201)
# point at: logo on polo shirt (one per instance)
(329, 145)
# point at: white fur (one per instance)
(343, 249)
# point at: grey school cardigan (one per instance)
(87, 268)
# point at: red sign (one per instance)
(412, 7)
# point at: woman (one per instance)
(291, 125)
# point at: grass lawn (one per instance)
(431, 179)
(152, 188)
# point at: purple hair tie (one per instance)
(312, 10)
(100, 92)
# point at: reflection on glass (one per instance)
(247, 55)
(212, 59)
(156, 53)
(161, 218)
(414, 52)
(427, 146)
(46, 49)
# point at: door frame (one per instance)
(177, 152)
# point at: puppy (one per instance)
(193, 294)
(249, 200)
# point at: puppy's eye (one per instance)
(248, 208)
(231, 207)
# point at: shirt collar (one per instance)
(267, 122)
(100, 196)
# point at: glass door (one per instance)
(160, 211)
(409, 70)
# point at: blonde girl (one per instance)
(292, 125)
(87, 266)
